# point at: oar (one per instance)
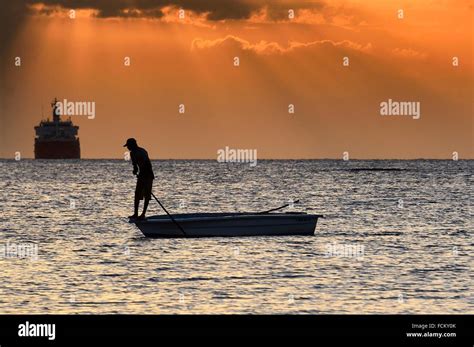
(171, 217)
(278, 208)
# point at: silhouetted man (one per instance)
(142, 167)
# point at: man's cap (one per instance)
(130, 142)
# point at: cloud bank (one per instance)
(213, 9)
(266, 47)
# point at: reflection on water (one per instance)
(392, 241)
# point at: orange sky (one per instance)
(282, 62)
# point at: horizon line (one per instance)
(237, 162)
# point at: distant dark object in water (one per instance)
(57, 139)
(377, 169)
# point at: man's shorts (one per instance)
(143, 189)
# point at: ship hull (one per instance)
(57, 149)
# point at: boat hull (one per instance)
(229, 225)
(57, 149)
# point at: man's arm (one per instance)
(134, 163)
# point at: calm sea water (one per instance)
(402, 238)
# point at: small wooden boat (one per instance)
(228, 224)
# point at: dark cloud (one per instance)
(215, 9)
(278, 10)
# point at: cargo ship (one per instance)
(57, 139)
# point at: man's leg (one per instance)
(136, 204)
(146, 196)
(145, 205)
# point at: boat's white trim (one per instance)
(224, 218)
